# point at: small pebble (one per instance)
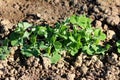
(71, 76)
(113, 20)
(46, 62)
(111, 34)
(85, 7)
(115, 11)
(78, 61)
(1, 66)
(98, 64)
(12, 78)
(98, 24)
(1, 72)
(7, 78)
(113, 59)
(96, 9)
(105, 27)
(84, 69)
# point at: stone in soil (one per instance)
(113, 59)
(71, 76)
(78, 61)
(46, 62)
(111, 35)
(113, 20)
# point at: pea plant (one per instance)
(73, 35)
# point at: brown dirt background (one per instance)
(104, 13)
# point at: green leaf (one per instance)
(118, 43)
(100, 50)
(48, 50)
(118, 50)
(73, 19)
(107, 47)
(83, 22)
(41, 30)
(57, 45)
(24, 25)
(42, 45)
(63, 36)
(55, 58)
(89, 31)
(103, 36)
(118, 46)
(27, 53)
(14, 36)
(4, 52)
(74, 51)
(88, 50)
(94, 47)
(15, 42)
(79, 43)
(53, 38)
(5, 42)
(26, 34)
(63, 29)
(72, 38)
(97, 32)
(33, 29)
(3, 56)
(35, 51)
(33, 39)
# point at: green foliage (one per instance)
(20, 33)
(73, 35)
(118, 46)
(4, 50)
(55, 58)
(89, 37)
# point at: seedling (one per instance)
(73, 35)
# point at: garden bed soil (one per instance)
(105, 14)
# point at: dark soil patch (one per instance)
(104, 13)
